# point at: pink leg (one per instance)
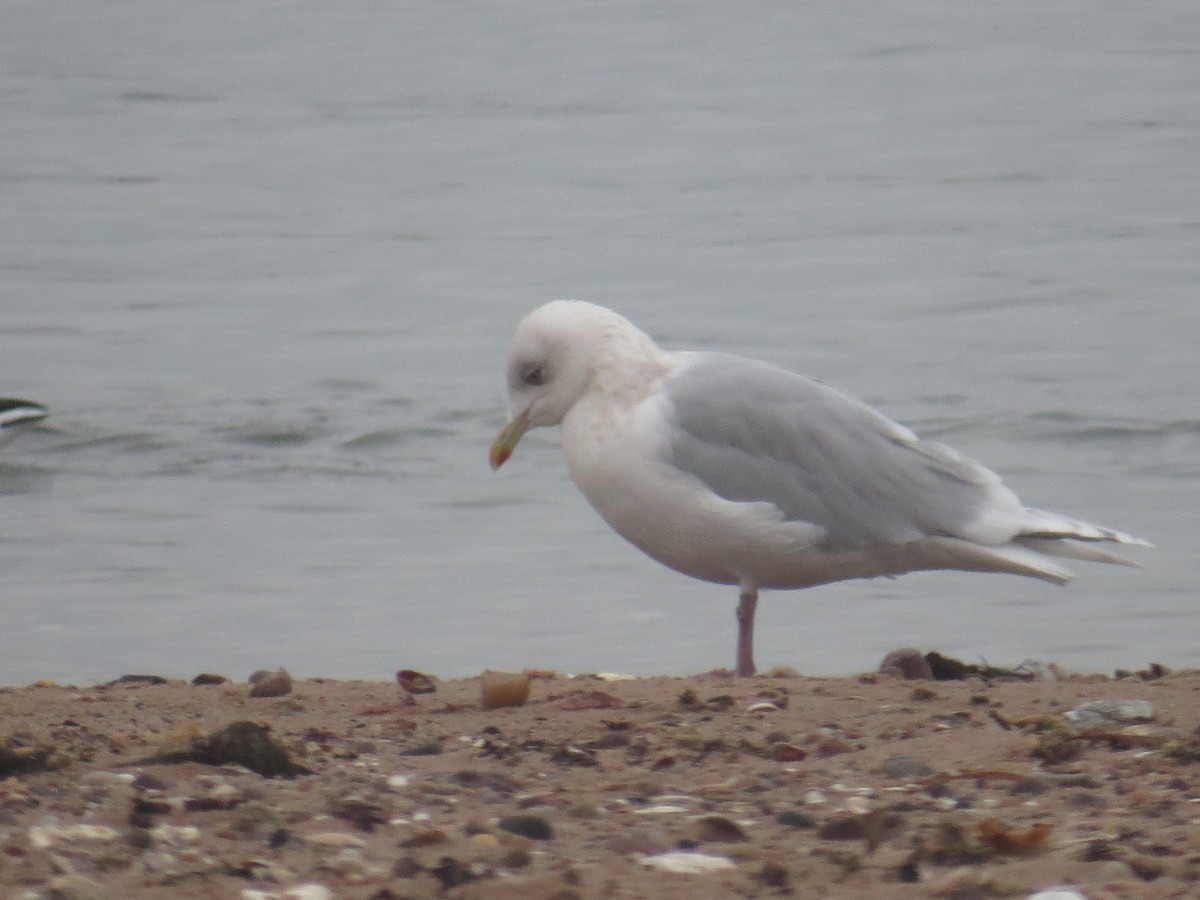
(747, 604)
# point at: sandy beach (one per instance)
(692, 787)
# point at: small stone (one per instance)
(139, 679)
(874, 827)
(308, 892)
(485, 841)
(425, 837)
(905, 766)
(1111, 712)
(450, 872)
(271, 684)
(719, 828)
(335, 839)
(685, 863)
(208, 678)
(527, 825)
(1059, 893)
(794, 819)
(1030, 784)
(773, 875)
(858, 805)
(515, 858)
(786, 752)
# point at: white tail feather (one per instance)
(1075, 549)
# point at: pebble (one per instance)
(527, 825)
(719, 828)
(308, 892)
(41, 837)
(858, 805)
(793, 819)
(907, 767)
(335, 839)
(271, 684)
(1111, 712)
(686, 863)
(1059, 893)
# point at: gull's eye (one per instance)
(533, 376)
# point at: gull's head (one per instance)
(552, 362)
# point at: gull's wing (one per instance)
(753, 432)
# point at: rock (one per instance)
(908, 663)
(139, 679)
(42, 837)
(242, 743)
(24, 760)
(271, 684)
(527, 825)
(308, 892)
(686, 863)
(719, 828)
(246, 744)
(335, 839)
(451, 873)
(500, 689)
(1095, 713)
(207, 678)
(1059, 893)
(875, 828)
(795, 819)
(905, 766)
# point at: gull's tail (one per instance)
(1043, 535)
(1049, 534)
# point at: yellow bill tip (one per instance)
(507, 440)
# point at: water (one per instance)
(262, 261)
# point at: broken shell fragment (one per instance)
(415, 682)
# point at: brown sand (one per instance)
(781, 784)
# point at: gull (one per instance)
(17, 416)
(738, 472)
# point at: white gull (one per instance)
(738, 472)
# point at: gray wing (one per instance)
(754, 432)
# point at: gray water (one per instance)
(262, 260)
